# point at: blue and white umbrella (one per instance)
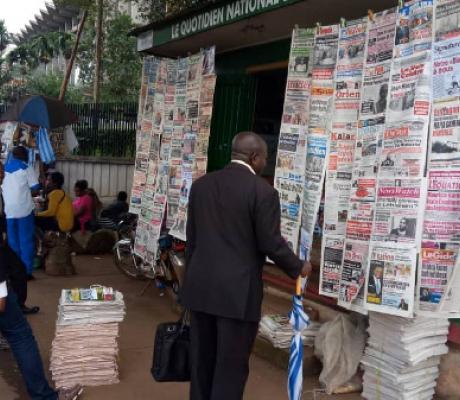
(299, 321)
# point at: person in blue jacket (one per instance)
(18, 185)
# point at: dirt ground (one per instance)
(136, 341)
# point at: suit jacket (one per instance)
(233, 225)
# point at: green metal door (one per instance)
(233, 112)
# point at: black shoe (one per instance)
(30, 277)
(30, 310)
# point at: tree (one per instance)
(156, 10)
(99, 49)
(121, 61)
(5, 37)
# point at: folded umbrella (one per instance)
(47, 112)
(299, 321)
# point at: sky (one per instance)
(19, 12)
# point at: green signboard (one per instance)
(218, 16)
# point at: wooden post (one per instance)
(69, 68)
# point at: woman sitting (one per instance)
(82, 207)
(59, 214)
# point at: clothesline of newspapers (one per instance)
(174, 119)
(85, 348)
(372, 115)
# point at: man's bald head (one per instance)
(250, 148)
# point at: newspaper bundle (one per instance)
(402, 357)
(85, 349)
(278, 331)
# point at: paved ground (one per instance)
(136, 341)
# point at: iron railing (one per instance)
(104, 130)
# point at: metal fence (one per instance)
(104, 130)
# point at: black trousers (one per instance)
(220, 351)
(17, 274)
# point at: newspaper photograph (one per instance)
(353, 275)
(436, 267)
(300, 58)
(414, 31)
(398, 211)
(381, 36)
(442, 209)
(375, 90)
(410, 88)
(350, 56)
(447, 23)
(325, 52)
(316, 162)
(390, 282)
(331, 262)
(297, 101)
(446, 69)
(444, 147)
(367, 150)
(337, 197)
(403, 150)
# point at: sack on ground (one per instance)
(340, 345)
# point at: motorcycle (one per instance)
(167, 271)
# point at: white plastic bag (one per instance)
(339, 345)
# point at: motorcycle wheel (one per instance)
(125, 259)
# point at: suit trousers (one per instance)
(220, 351)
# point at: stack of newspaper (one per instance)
(278, 331)
(402, 357)
(85, 348)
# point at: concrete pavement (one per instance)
(136, 341)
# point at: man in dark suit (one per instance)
(233, 225)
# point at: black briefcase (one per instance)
(171, 353)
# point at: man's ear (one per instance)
(2, 304)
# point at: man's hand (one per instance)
(306, 269)
(2, 304)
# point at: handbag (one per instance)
(171, 352)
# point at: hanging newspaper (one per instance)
(322, 92)
(352, 275)
(292, 145)
(447, 23)
(348, 79)
(446, 69)
(410, 88)
(390, 284)
(331, 255)
(379, 49)
(414, 32)
(445, 136)
(450, 302)
(399, 210)
(144, 132)
(403, 150)
(436, 268)
(442, 211)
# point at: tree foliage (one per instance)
(156, 10)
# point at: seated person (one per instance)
(115, 211)
(82, 207)
(59, 214)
